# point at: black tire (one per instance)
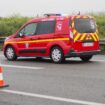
(10, 53)
(86, 58)
(57, 55)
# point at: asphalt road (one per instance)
(45, 83)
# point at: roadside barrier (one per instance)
(2, 39)
(102, 42)
(1, 79)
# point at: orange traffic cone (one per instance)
(1, 79)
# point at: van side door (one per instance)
(45, 34)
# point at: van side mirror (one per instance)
(21, 35)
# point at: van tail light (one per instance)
(71, 35)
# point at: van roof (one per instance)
(45, 18)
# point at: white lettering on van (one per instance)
(59, 26)
(27, 45)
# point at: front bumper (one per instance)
(72, 53)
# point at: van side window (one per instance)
(45, 27)
(29, 29)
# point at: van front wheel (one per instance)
(10, 53)
(86, 58)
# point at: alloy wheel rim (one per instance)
(56, 55)
(10, 53)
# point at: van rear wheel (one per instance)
(86, 58)
(57, 55)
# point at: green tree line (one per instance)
(9, 25)
(100, 19)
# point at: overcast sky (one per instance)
(33, 7)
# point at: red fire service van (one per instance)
(55, 36)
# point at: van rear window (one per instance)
(85, 25)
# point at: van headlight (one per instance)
(6, 39)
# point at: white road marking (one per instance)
(1, 76)
(20, 67)
(75, 59)
(52, 97)
(98, 60)
(2, 55)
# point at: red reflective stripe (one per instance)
(80, 37)
(91, 36)
(73, 28)
(76, 34)
(85, 37)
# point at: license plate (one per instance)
(87, 44)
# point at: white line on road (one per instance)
(20, 67)
(52, 98)
(2, 55)
(98, 60)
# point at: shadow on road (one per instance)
(48, 61)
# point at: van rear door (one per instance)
(85, 35)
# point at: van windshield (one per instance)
(87, 25)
